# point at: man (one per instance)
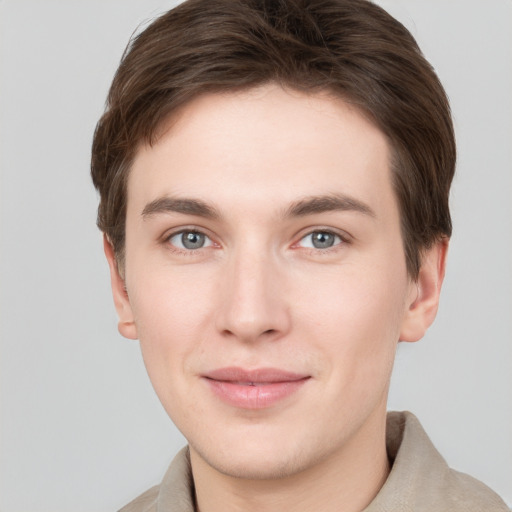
(274, 181)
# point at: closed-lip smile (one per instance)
(253, 389)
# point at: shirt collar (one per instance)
(419, 481)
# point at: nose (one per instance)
(254, 299)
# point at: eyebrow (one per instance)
(301, 208)
(327, 203)
(181, 205)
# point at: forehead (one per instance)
(264, 145)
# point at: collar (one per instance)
(419, 481)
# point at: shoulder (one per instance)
(463, 492)
(421, 480)
(146, 502)
(176, 492)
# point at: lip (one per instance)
(254, 389)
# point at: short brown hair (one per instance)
(352, 48)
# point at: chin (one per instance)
(255, 466)
(260, 458)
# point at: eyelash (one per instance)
(343, 240)
(184, 251)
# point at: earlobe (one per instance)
(126, 323)
(425, 292)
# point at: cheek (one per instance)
(355, 317)
(172, 311)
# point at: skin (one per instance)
(260, 294)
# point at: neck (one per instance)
(347, 480)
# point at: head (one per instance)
(274, 183)
(352, 49)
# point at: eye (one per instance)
(320, 240)
(190, 240)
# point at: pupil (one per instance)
(322, 240)
(192, 240)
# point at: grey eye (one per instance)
(190, 240)
(320, 240)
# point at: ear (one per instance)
(424, 297)
(126, 323)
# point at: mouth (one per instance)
(254, 389)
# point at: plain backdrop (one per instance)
(81, 429)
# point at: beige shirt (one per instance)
(419, 481)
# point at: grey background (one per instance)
(81, 429)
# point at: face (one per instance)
(265, 278)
